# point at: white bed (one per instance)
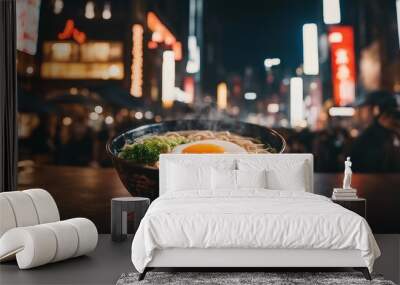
(282, 224)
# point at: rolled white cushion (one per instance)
(7, 218)
(23, 208)
(45, 205)
(33, 246)
(87, 235)
(66, 238)
(37, 245)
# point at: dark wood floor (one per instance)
(110, 259)
(87, 192)
(103, 266)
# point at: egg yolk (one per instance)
(203, 148)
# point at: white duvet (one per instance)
(250, 219)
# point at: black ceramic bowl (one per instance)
(141, 180)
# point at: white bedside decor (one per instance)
(347, 192)
(31, 231)
(347, 174)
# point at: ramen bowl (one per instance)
(142, 180)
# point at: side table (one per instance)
(357, 205)
(124, 209)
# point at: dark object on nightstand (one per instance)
(124, 209)
(358, 206)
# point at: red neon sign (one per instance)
(342, 64)
(71, 32)
(177, 48)
(162, 34)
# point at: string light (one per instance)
(138, 115)
(98, 109)
(58, 6)
(29, 70)
(341, 111)
(250, 96)
(137, 61)
(89, 10)
(148, 115)
(222, 96)
(73, 91)
(168, 78)
(67, 121)
(269, 62)
(94, 116)
(109, 120)
(331, 11)
(296, 101)
(310, 49)
(106, 11)
(273, 108)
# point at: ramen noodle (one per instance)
(146, 149)
(251, 145)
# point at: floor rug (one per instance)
(243, 278)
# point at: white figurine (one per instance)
(347, 174)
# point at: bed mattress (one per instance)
(250, 219)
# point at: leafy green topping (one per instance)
(147, 151)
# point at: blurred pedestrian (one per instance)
(42, 139)
(377, 149)
(77, 146)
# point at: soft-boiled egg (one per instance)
(209, 146)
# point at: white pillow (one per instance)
(279, 180)
(251, 178)
(223, 179)
(188, 177)
(283, 171)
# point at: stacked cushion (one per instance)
(7, 220)
(31, 231)
(45, 205)
(22, 207)
(41, 244)
(27, 208)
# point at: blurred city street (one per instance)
(324, 74)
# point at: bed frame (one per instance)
(249, 258)
(246, 259)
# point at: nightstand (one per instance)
(358, 206)
(127, 211)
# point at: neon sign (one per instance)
(71, 32)
(162, 34)
(137, 61)
(342, 64)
